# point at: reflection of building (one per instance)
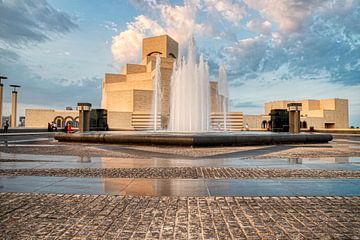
(128, 95)
(324, 113)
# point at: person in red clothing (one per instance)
(68, 128)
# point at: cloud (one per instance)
(127, 45)
(110, 25)
(31, 21)
(230, 11)
(289, 14)
(179, 21)
(235, 103)
(263, 27)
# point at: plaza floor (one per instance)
(56, 190)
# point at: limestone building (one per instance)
(127, 96)
(323, 113)
(39, 118)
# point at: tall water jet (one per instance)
(156, 101)
(190, 94)
(223, 91)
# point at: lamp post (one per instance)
(14, 105)
(1, 97)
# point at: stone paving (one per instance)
(184, 172)
(60, 216)
(80, 216)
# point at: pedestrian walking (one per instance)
(6, 126)
(68, 128)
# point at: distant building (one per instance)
(39, 118)
(323, 113)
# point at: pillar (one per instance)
(294, 117)
(84, 116)
(1, 103)
(13, 108)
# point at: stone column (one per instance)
(84, 116)
(1, 102)
(13, 108)
(294, 117)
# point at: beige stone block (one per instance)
(114, 78)
(163, 45)
(143, 101)
(120, 120)
(120, 101)
(134, 68)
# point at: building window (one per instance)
(58, 123)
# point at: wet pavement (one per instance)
(50, 190)
(182, 187)
(18, 161)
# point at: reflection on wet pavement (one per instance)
(183, 187)
(19, 161)
(288, 185)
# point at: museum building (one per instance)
(127, 99)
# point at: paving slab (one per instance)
(79, 216)
(183, 187)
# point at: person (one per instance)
(68, 128)
(6, 126)
(49, 127)
(246, 127)
(54, 127)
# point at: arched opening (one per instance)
(263, 124)
(76, 122)
(304, 124)
(70, 120)
(59, 121)
(154, 53)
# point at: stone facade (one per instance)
(323, 113)
(39, 118)
(128, 95)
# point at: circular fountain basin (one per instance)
(207, 139)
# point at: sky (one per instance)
(59, 50)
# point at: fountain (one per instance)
(156, 101)
(223, 91)
(190, 106)
(190, 94)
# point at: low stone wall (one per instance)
(196, 140)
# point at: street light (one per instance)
(1, 98)
(14, 86)
(1, 78)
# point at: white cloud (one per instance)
(177, 21)
(290, 15)
(263, 27)
(127, 45)
(232, 12)
(109, 25)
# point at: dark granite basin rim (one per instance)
(196, 140)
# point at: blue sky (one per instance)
(59, 50)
